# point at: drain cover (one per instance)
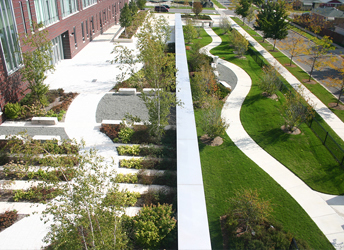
(94, 80)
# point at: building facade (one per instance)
(71, 25)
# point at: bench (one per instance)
(127, 91)
(44, 120)
(150, 91)
(44, 138)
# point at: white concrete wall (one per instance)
(193, 228)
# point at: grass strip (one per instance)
(317, 89)
(303, 154)
(218, 4)
(225, 168)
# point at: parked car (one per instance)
(160, 9)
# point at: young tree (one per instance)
(294, 44)
(239, 42)
(251, 14)
(242, 9)
(197, 8)
(37, 61)
(125, 18)
(158, 69)
(272, 20)
(270, 82)
(87, 212)
(212, 124)
(133, 7)
(247, 211)
(141, 4)
(225, 25)
(295, 111)
(317, 52)
(338, 80)
(190, 31)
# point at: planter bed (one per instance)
(8, 218)
(149, 163)
(168, 178)
(140, 135)
(34, 194)
(158, 197)
(53, 175)
(153, 151)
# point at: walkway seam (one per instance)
(308, 199)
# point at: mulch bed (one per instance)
(309, 82)
(333, 105)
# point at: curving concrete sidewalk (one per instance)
(326, 218)
(331, 119)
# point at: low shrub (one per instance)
(153, 227)
(126, 178)
(125, 134)
(131, 163)
(222, 91)
(59, 115)
(129, 198)
(161, 196)
(111, 130)
(168, 178)
(129, 150)
(14, 110)
(36, 194)
(8, 218)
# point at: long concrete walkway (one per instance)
(331, 119)
(328, 220)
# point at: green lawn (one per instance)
(225, 169)
(218, 4)
(303, 154)
(316, 89)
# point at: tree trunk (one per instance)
(340, 93)
(274, 45)
(310, 74)
(291, 59)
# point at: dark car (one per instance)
(166, 6)
(160, 9)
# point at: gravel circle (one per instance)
(227, 75)
(114, 107)
(32, 131)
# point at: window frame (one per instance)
(9, 39)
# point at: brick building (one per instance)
(71, 24)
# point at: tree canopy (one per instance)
(125, 18)
(242, 8)
(272, 20)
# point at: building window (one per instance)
(86, 28)
(86, 3)
(82, 31)
(29, 13)
(74, 34)
(23, 16)
(68, 7)
(46, 11)
(9, 37)
(92, 24)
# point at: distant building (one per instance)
(71, 24)
(329, 14)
